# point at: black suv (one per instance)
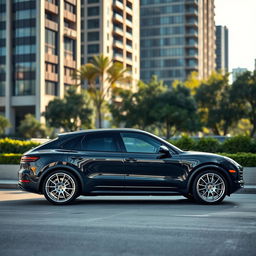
(125, 162)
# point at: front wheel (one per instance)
(60, 187)
(209, 187)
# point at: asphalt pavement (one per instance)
(148, 225)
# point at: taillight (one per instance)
(29, 158)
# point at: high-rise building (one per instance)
(111, 28)
(236, 72)
(39, 49)
(222, 48)
(177, 37)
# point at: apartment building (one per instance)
(177, 37)
(111, 28)
(39, 49)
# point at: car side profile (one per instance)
(125, 162)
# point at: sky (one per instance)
(240, 18)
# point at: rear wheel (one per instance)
(209, 187)
(60, 187)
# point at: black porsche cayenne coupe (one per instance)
(125, 162)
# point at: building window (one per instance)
(93, 48)
(93, 36)
(68, 71)
(56, 2)
(2, 88)
(70, 48)
(24, 87)
(93, 1)
(51, 68)
(50, 42)
(94, 23)
(70, 7)
(93, 11)
(50, 88)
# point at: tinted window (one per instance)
(73, 143)
(100, 142)
(135, 142)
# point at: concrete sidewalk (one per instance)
(13, 184)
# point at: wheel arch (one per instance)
(202, 168)
(50, 170)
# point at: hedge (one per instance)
(16, 146)
(245, 159)
(10, 158)
(242, 144)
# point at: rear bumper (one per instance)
(28, 181)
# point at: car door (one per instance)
(101, 161)
(145, 168)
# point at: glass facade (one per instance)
(2, 47)
(168, 39)
(162, 40)
(24, 47)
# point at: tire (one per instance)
(60, 187)
(209, 187)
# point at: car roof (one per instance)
(102, 130)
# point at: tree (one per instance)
(133, 109)
(70, 113)
(244, 93)
(217, 109)
(31, 128)
(175, 110)
(4, 123)
(101, 76)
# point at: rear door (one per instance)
(102, 161)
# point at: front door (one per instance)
(145, 168)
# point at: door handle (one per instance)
(130, 159)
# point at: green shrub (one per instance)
(238, 144)
(185, 143)
(16, 146)
(244, 159)
(10, 158)
(208, 145)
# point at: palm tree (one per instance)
(101, 76)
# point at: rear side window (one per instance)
(73, 143)
(100, 143)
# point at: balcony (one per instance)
(118, 43)
(69, 16)
(118, 4)
(191, 12)
(191, 22)
(118, 17)
(118, 57)
(129, 23)
(73, 2)
(70, 32)
(51, 58)
(51, 7)
(51, 25)
(68, 62)
(68, 80)
(129, 35)
(118, 31)
(129, 60)
(190, 55)
(51, 76)
(128, 48)
(128, 10)
(192, 33)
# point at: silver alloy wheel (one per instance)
(210, 187)
(60, 187)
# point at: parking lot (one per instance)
(29, 225)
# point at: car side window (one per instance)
(100, 143)
(73, 143)
(140, 143)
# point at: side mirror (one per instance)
(164, 150)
